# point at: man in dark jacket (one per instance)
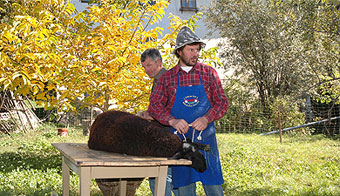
(151, 60)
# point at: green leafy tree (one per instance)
(277, 49)
(280, 47)
(320, 21)
(260, 47)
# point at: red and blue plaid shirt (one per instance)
(164, 93)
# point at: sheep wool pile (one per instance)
(125, 133)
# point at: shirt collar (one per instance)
(197, 67)
(160, 73)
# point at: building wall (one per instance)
(174, 8)
(78, 5)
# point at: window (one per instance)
(188, 5)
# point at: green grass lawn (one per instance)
(252, 164)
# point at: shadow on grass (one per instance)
(16, 160)
(269, 191)
(52, 192)
(254, 192)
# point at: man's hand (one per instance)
(180, 125)
(200, 123)
(146, 115)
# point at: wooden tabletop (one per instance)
(81, 155)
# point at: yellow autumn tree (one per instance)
(62, 58)
(104, 57)
(31, 48)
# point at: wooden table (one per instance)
(90, 164)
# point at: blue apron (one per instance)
(191, 102)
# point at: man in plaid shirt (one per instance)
(189, 97)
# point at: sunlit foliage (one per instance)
(68, 59)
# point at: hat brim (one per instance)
(180, 46)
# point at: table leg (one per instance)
(122, 187)
(161, 181)
(66, 177)
(85, 181)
